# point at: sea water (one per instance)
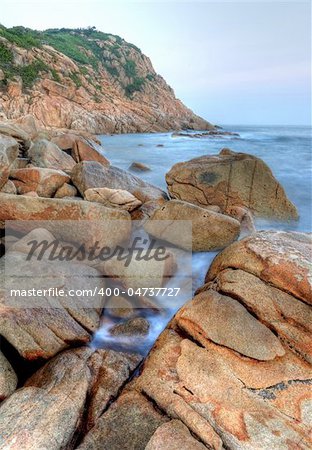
(286, 150)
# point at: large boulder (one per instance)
(128, 424)
(107, 226)
(280, 258)
(234, 365)
(36, 318)
(8, 153)
(114, 198)
(91, 174)
(231, 179)
(80, 148)
(47, 154)
(48, 412)
(12, 130)
(210, 230)
(36, 179)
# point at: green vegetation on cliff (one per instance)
(87, 47)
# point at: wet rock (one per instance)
(132, 327)
(231, 179)
(8, 153)
(67, 190)
(46, 154)
(114, 198)
(128, 424)
(139, 167)
(43, 181)
(210, 230)
(8, 378)
(174, 435)
(9, 188)
(81, 149)
(101, 227)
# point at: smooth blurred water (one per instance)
(287, 151)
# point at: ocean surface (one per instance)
(286, 149)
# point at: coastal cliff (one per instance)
(85, 79)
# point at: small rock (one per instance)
(132, 327)
(9, 188)
(67, 190)
(119, 307)
(114, 198)
(139, 167)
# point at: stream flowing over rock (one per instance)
(228, 180)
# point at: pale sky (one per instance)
(231, 62)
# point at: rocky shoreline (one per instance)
(231, 370)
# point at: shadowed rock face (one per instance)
(102, 84)
(230, 180)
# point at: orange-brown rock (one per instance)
(101, 222)
(80, 148)
(208, 231)
(280, 258)
(139, 167)
(228, 180)
(39, 326)
(48, 412)
(36, 179)
(234, 365)
(114, 198)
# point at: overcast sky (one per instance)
(231, 62)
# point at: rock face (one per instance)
(210, 230)
(98, 81)
(114, 198)
(8, 153)
(40, 327)
(89, 175)
(173, 435)
(44, 153)
(235, 363)
(101, 229)
(43, 181)
(49, 410)
(128, 424)
(80, 149)
(228, 180)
